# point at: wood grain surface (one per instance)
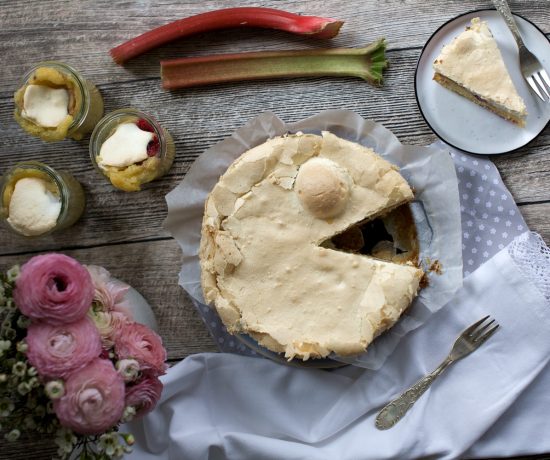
(123, 231)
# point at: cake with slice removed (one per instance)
(472, 66)
(267, 260)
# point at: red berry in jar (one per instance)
(144, 125)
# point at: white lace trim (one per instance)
(532, 256)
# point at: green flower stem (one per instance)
(367, 63)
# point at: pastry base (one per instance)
(499, 110)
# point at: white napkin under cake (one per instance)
(492, 403)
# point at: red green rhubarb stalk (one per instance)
(268, 18)
(367, 63)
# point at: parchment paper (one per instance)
(436, 209)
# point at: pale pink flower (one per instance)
(128, 369)
(108, 324)
(57, 351)
(109, 292)
(94, 399)
(144, 395)
(136, 341)
(54, 288)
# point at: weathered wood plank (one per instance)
(536, 216)
(36, 447)
(82, 32)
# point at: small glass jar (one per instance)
(131, 178)
(59, 183)
(85, 101)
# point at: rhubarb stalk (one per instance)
(225, 19)
(367, 63)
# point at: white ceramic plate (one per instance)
(465, 125)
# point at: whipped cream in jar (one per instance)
(131, 148)
(54, 101)
(37, 200)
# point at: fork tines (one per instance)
(540, 84)
(479, 332)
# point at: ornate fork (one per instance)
(470, 339)
(531, 68)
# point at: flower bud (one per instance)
(55, 389)
(128, 438)
(128, 414)
(22, 347)
(10, 333)
(13, 435)
(19, 369)
(13, 273)
(6, 407)
(23, 322)
(23, 388)
(128, 369)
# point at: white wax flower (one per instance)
(55, 389)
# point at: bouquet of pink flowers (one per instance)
(72, 360)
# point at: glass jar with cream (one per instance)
(37, 200)
(54, 101)
(131, 148)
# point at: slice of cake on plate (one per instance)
(472, 66)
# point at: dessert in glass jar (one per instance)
(130, 148)
(37, 200)
(54, 102)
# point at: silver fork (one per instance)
(470, 339)
(531, 68)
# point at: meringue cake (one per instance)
(265, 262)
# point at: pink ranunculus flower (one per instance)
(144, 395)
(94, 399)
(54, 288)
(109, 292)
(136, 341)
(57, 351)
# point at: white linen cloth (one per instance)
(218, 406)
(492, 403)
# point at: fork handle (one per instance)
(504, 9)
(396, 409)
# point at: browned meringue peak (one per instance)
(261, 262)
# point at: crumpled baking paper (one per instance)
(436, 210)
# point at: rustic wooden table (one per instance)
(123, 231)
